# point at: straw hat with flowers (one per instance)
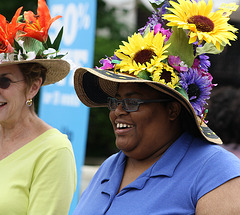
(25, 40)
(170, 55)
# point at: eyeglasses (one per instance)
(130, 104)
(5, 82)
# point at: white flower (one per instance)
(10, 56)
(51, 53)
(31, 55)
(2, 57)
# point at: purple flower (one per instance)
(152, 21)
(177, 64)
(108, 62)
(198, 86)
(204, 62)
(158, 28)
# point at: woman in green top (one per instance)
(37, 165)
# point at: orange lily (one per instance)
(5, 46)
(38, 25)
(8, 32)
(14, 26)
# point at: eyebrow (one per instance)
(128, 94)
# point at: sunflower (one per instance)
(203, 25)
(165, 75)
(141, 53)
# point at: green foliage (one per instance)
(209, 48)
(107, 19)
(144, 75)
(55, 45)
(31, 44)
(180, 46)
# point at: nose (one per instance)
(120, 111)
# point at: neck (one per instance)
(15, 135)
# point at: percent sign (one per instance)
(84, 16)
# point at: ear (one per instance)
(174, 109)
(33, 90)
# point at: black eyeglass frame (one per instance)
(5, 82)
(138, 102)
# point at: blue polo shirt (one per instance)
(189, 169)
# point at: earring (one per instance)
(29, 102)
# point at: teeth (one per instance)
(121, 125)
(2, 103)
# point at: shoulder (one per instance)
(52, 147)
(54, 139)
(214, 168)
(212, 155)
(222, 200)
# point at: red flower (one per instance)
(14, 26)
(8, 32)
(5, 46)
(37, 26)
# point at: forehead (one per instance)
(10, 69)
(137, 89)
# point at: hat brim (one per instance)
(57, 69)
(94, 86)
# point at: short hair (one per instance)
(32, 72)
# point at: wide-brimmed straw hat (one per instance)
(56, 69)
(169, 55)
(94, 86)
(25, 40)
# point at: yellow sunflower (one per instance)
(141, 53)
(228, 8)
(165, 75)
(203, 25)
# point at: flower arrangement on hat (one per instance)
(172, 47)
(26, 36)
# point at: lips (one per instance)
(3, 103)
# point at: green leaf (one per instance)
(60, 56)
(180, 46)
(144, 75)
(48, 43)
(209, 48)
(182, 91)
(17, 47)
(31, 44)
(58, 39)
(147, 30)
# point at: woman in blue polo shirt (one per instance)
(156, 86)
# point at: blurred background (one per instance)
(118, 19)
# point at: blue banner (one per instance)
(59, 105)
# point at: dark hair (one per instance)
(32, 72)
